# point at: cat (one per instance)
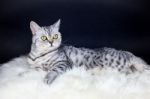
(48, 54)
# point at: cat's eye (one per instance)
(44, 38)
(55, 36)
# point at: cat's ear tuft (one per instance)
(56, 25)
(34, 27)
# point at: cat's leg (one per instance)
(50, 77)
(55, 72)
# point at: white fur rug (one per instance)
(18, 82)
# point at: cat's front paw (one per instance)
(50, 77)
(48, 80)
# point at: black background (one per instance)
(122, 24)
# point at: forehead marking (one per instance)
(47, 30)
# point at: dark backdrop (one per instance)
(122, 24)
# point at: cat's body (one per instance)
(48, 54)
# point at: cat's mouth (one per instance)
(50, 42)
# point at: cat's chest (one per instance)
(48, 61)
(43, 60)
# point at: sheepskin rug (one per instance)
(17, 81)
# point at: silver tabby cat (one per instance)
(48, 54)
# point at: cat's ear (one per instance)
(34, 27)
(56, 25)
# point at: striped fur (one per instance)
(56, 59)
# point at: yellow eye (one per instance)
(44, 38)
(55, 36)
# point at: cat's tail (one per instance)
(140, 65)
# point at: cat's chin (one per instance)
(39, 53)
(51, 50)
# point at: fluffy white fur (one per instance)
(17, 81)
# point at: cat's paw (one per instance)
(48, 80)
(50, 77)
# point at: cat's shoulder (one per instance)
(68, 47)
(75, 48)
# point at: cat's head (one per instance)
(46, 38)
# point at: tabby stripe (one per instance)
(54, 60)
(59, 67)
(33, 59)
(70, 62)
(58, 62)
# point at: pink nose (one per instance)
(51, 42)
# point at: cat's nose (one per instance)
(51, 42)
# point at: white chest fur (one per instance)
(43, 60)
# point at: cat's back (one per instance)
(114, 52)
(105, 54)
(104, 50)
(107, 57)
